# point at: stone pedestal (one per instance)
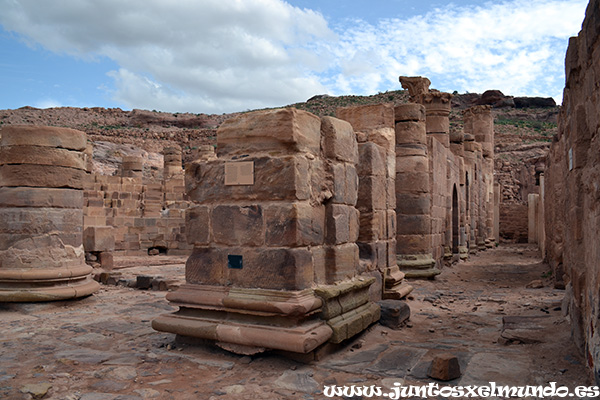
(42, 176)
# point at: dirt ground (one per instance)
(103, 347)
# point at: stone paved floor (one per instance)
(103, 348)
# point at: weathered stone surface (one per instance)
(42, 156)
(99, 238)
(413, 224)
(410, 133)
(42, 176)
(445, 367)
(45, 136)
(371, 161)
(235, 225)
(409, 112)
(266, 268)
(372, 194)
(275, 178)
(40, 197)
(341, 262)
(197, 225)
(345, 183)
(368, 117)
(39, 221)
(338, 223)
(373, 226)
(294, 224)
(339, 140)
(285, 131)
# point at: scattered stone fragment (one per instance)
(36, 390)
(444, 367)
(536, 284)
(393, 313)
(298, 381)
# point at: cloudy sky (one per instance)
(216, 56)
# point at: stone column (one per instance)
(374, 126)
(132, 167)
(42, 176)
(497, 211)
(471, 165)
(437, 106)
(413, 196)
(172, 162)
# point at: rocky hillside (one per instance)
(524, 128)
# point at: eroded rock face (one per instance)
(42, 176)
(572, 191)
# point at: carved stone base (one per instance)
(346, 307)
(31, 285)
(418, 266)
(252, 318)
(395, 287)
(463, 252)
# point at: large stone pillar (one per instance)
(172, 163)
(42, 176)
(132, 167)
(413, 196)
(472, 154)
(374, 126)
(274, 226)
(479, 121)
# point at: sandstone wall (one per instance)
(573, 189)
(514, 222)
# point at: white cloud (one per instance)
(515, 46)
(232, 55)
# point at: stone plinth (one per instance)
(42, 176)
(274, 227)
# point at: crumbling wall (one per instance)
(142, 216)
(573, 189)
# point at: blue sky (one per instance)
(216, 56)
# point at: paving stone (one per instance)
(513, 369)
(397, 362)
(89, 356)
(298, 381)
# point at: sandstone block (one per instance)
(409, 112)
(273, 268)
(345, 183)
(413, 244)
(106, 260)
(294, 224)
(35, 221)
(372, 225)
(275, 178)
(318, 255)
(236, 225)
(42, 156)
(371, 193)
(286, 131)
(40, 197)
(369, 117)
(339, 140)
(197, 225)
(99, 238)
(410, 133)
(413, 224)
(413, 204)
(416, 182)
(393, 313)
(45, 136)
(42, 176)
(412, 164)
(338, 218)
(390, 193)
(341, 262)
(27, 240)
(391, 224)
(371, 161)
(444, 367)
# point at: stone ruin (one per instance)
(567, 220)
(297, 227)
(43, 172)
